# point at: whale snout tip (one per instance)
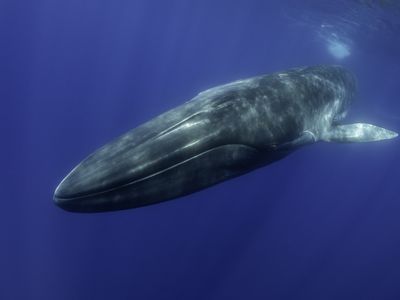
(70, 204)
(68, 195)
(85, 191)
(61, 199)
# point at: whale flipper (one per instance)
(357, 132)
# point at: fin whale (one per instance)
(221, 133)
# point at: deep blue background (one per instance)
(323, 223)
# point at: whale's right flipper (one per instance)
(357, 132)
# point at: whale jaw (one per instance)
(197, 172)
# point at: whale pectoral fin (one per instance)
(357, 132)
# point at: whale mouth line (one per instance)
(61, 199)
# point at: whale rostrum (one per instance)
(221, 133)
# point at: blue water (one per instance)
(323, 223)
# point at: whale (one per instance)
(221, 133)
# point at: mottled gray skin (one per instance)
(219, 134)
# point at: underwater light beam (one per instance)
(338, 49)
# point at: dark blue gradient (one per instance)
(323, 223)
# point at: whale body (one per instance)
(221, 133)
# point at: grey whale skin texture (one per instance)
(221, 133)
